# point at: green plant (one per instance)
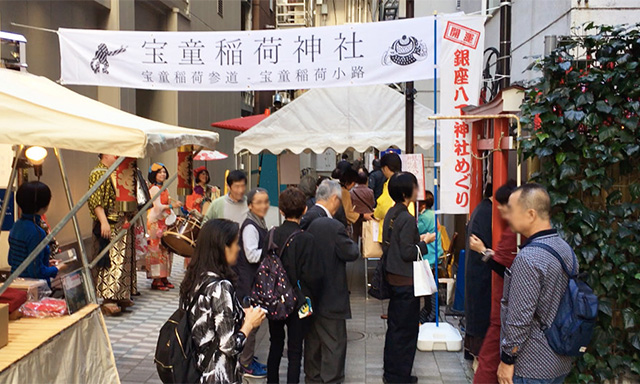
(583, 117)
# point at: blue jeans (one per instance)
(524, 380)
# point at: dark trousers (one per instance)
(296, 331)
(402, 334)
(325, 350)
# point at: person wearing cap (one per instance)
(159, 259)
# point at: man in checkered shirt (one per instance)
(533, 288)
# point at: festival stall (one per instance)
(339, 118)
(35, 111)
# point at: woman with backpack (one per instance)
(295, 248)
(218, 320)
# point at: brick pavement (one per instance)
(133, 335)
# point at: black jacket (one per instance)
(312, 214)
(478, 273)
(333, 249)
(376, 182)
(400, 241)
(298, 259)
(245, 270)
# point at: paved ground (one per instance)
(133, 336)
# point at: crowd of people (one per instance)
(509, 300)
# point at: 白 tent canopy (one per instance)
(36, 111)
(339, 118)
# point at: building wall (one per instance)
(194, 110)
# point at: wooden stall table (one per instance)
(67, 349)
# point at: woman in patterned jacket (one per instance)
(218, 320)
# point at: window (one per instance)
(220, 3)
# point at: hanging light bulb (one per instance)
(36, 156)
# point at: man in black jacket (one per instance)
(326, 344)
(327, 203)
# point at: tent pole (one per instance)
(91, 293)
(142, 211)
(278, 189)
(60, 225)
(435, 160)
(12, 180)
(409, 97)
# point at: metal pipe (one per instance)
(91, 294)
(60, 225)
(436, 201)
(409, 96)
(12, 180)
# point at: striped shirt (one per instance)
(533, 288)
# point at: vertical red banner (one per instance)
(125, 186)
(185, 170)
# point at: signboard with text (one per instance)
(460, 71)
(301, 58)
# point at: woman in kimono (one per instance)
(159, 259)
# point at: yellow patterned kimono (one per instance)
(118, 281)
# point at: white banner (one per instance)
(460, 69)
(301, 58)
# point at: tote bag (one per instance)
(424, 283)
(371, 249)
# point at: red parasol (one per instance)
(210, 156)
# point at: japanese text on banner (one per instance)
(461, 66)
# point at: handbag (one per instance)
(371, 249)
(424, 284)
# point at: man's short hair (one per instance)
(327, 189)
(401, 186)
(503, 193)
(392, 161)
(236, 177)
(535, 196)
(292, 203)
(348, 176)
(33, 196)
(308, 185)
(363, 177)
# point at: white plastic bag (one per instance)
(424, 284)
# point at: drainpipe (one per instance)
(504, 62)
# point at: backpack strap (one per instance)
(287, 242)
(554, 253)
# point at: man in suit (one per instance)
(327, 204)
(326, 344)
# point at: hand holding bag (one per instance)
(424, 284)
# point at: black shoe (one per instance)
(414, 379)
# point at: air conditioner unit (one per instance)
(13, 51)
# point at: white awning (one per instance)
(36, 111)
(339, 118)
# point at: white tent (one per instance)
(339, 118)
(36, 111)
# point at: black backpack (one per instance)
(176, 353)
(272, 289)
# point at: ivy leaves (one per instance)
(583, 117)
